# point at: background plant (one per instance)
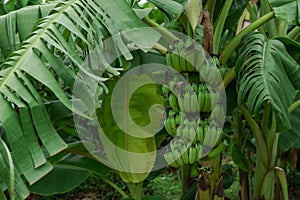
(43, 46)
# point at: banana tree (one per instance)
(48, 50)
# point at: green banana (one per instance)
(198, 149)
(169, 158)
(195, 88)
(173, 125)
(190, 61)
(173, 102)
(177, 119)
(200, 135)
(169, 60)
(207, 105)
(201, 98)
(216, 150)
(210, 137)
(193, 135)
(175, 61)
(186, 129)
(168, 126)
(185, 157)
(177, 155)
(187, 102)
(194, 103)
(165, 90)
(215, 112)
(192, 155)
(172, 113)
(179, 132)
(200, 57)
(182, 61)
(215, 98)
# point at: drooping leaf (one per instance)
(84, 163)
(267, 73)
(135, 169)
(68, 178)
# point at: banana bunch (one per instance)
(172, 122)
(193, 137)
(188, 131)
(184, 56)
(179, 154)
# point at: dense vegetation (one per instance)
(77, 76)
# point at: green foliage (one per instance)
(143, 98)
(289, 138)
(166, 186)
(267, 73)
(68, 179)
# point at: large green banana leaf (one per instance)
(132, 168)
(267, 73)
(59, 42)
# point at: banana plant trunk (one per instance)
(266, 148)
(266, 161)
(210, 186)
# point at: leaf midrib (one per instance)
(263, 69)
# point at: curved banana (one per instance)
(177, 119)
(173, 125)
(179, 161)
(193, 135)
(179, 132)
(186, 129)
(173, 102)
(182, 59)
(187, 102)
(168, 126)
(190, 61)
(201, 100)
(194, 103)
(175, 61)
(216, 150)
(207, 105)
(185, 157)
(169, 60)
(198, 148)
(192, 155)
(169, 158)
(200, 135)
